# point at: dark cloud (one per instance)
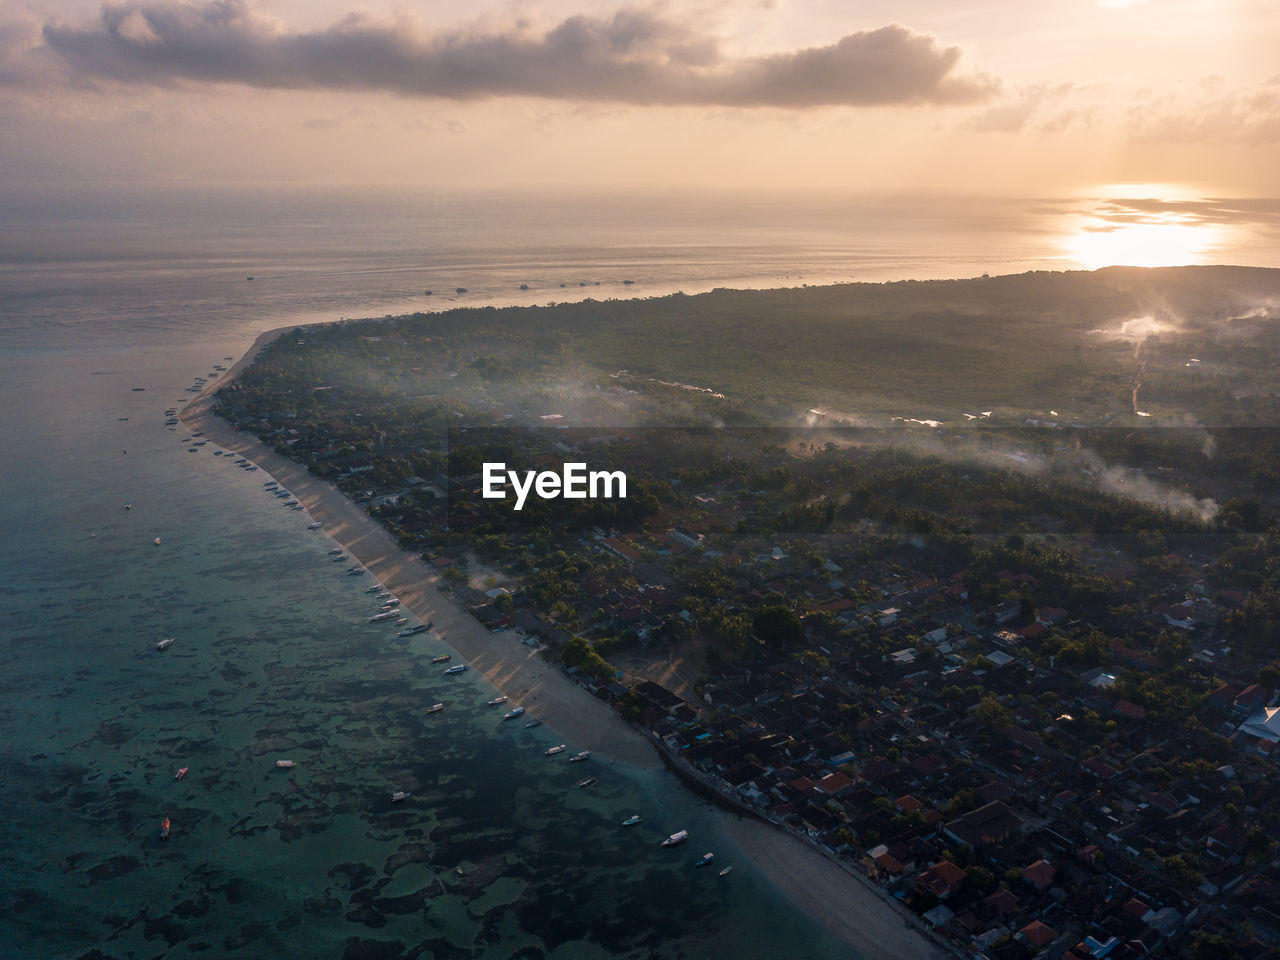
(637, 56)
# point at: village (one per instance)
(1056, 743)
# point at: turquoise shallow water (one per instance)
(273, 660)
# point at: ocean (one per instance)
(110, 304)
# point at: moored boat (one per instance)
(410, 631)
(632, 820)
(315, 526)
(460, 668)
(381, 617)
(579, 757)
(677, 838)
(443, 658)
(335, 551)
(435, 708)
(513, 713)
(497, 700)
(285, 764)
(725, 871)
(398, 796)
(705, 859)
(552, 751)
(535, 722)
(588, 782)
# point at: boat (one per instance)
(381, 617)
(443, 658)
(165, 644)
(725, 871)
(338, 558)
(164, 829)
(355, 572)
(393, 602)
(398, 796)
(410, 631)
(402, 621)
(376, 588)
(181, 773)
(588, 782)
(535, 722)
(291, 503)
(315, 526)
(579, 757)
(677, 838)
(706, 858)
(128, 506)
(513, 713)
(552, 751)
(460, 668)
(156, 541)
(632, 820)
(497, 700)
(335, 551)
(284, 764)
(435, 708)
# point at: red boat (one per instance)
(164, 829)
(181, 773)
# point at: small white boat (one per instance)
(398, 796)
(460, 668)
(165, 644)
(513, 713)
(381, 617)
(435, 708)
(677, 838)
(393, 602)
(443, 658)
(579, 757)
(376, 588)
(156, 541)
(335, 551)
(402, 621)
(588, 782)
(632, 820)
(285, 764)
(552, 751)
(315, 526)
(725, 871)
(497, 700)
(355, 572)
(338, 558)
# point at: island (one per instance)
(968, 589)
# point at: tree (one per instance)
(777, 626)
(992, 712)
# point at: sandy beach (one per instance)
(821, 888)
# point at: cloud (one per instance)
(638, 55)
(1012, 115)
(1242, 116)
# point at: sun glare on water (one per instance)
(1167, 242)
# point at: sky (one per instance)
(1043, 97)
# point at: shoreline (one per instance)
(824, 890)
